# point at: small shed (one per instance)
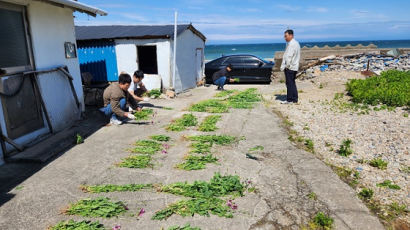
(105, 51)
(40, 81)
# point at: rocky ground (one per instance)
(325, 115)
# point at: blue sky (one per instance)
(263, 21)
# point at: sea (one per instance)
(268, 50)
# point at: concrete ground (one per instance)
(284, 176)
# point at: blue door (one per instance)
(99, 59)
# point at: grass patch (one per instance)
(366, 194)
(388, 184)
(196, 162)
(345, 148)
(312, 196)
(155, 93)
(143, 114)
(185, 227)
(115, 188)
(77, 225)
(162, 138)
(309, 145)
(349, 176)
(209, 124)
(187, 120)
(205, 197)
(99, 207)
(210, 106)
(391, 88)
(138, 161)
(225, 93)
(378, 163)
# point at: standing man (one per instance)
(290, 64)
(220, 77)
(116, 98)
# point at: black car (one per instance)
(248, 68)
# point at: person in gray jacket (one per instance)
(290, 65)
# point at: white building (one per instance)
(144, 47)
(40, 81)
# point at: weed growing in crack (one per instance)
(312, 196)
(115, 188)
(309, 145)
(378, 163)
(79, 139)
(349, 176)
(345, 148)
(196, 162)
(80, 225)
(323, 220)
(388, 184)
(214, 139)
(187, 120)
(209, 124)
(256, 148)
(143, 114)
(99, 207)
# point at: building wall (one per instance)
(127, 60)
(186, 69)
(50, 27)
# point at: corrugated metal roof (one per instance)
(131, 31)
(78, 6)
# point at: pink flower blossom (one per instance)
(142, 211)
(164, 151)
(116, 227)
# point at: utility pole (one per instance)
(174, 69)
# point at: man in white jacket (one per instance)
(290, 65)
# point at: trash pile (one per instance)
(373, 63)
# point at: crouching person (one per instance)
(137, 88)
(220, 77)
(117, 99)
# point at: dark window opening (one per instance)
(147, 59)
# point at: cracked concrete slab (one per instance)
(284, 176)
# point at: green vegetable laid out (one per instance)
(146, 147)
(99, 207)
(143, 115)
(225, 93)
(209, 124)
(185, 227)
(187, 120)
(154, 93)
(196, 162)
(115, 188)
(162, 138)
(137, 161)
(210, 106)
(77, 225)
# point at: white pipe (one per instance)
(174, 69)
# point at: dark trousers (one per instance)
(292, 91)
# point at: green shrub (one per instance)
(378, 163)
(345, 149)
(99, 207)
(80, 225)
(391, 88)
(366, 194)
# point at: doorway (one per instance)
(147, 59)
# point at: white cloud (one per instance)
(288, 7)
(317, 9)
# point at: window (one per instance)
(251, 60)
(237, 60)
(147, 59)
(14, 55)
(218, 62)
